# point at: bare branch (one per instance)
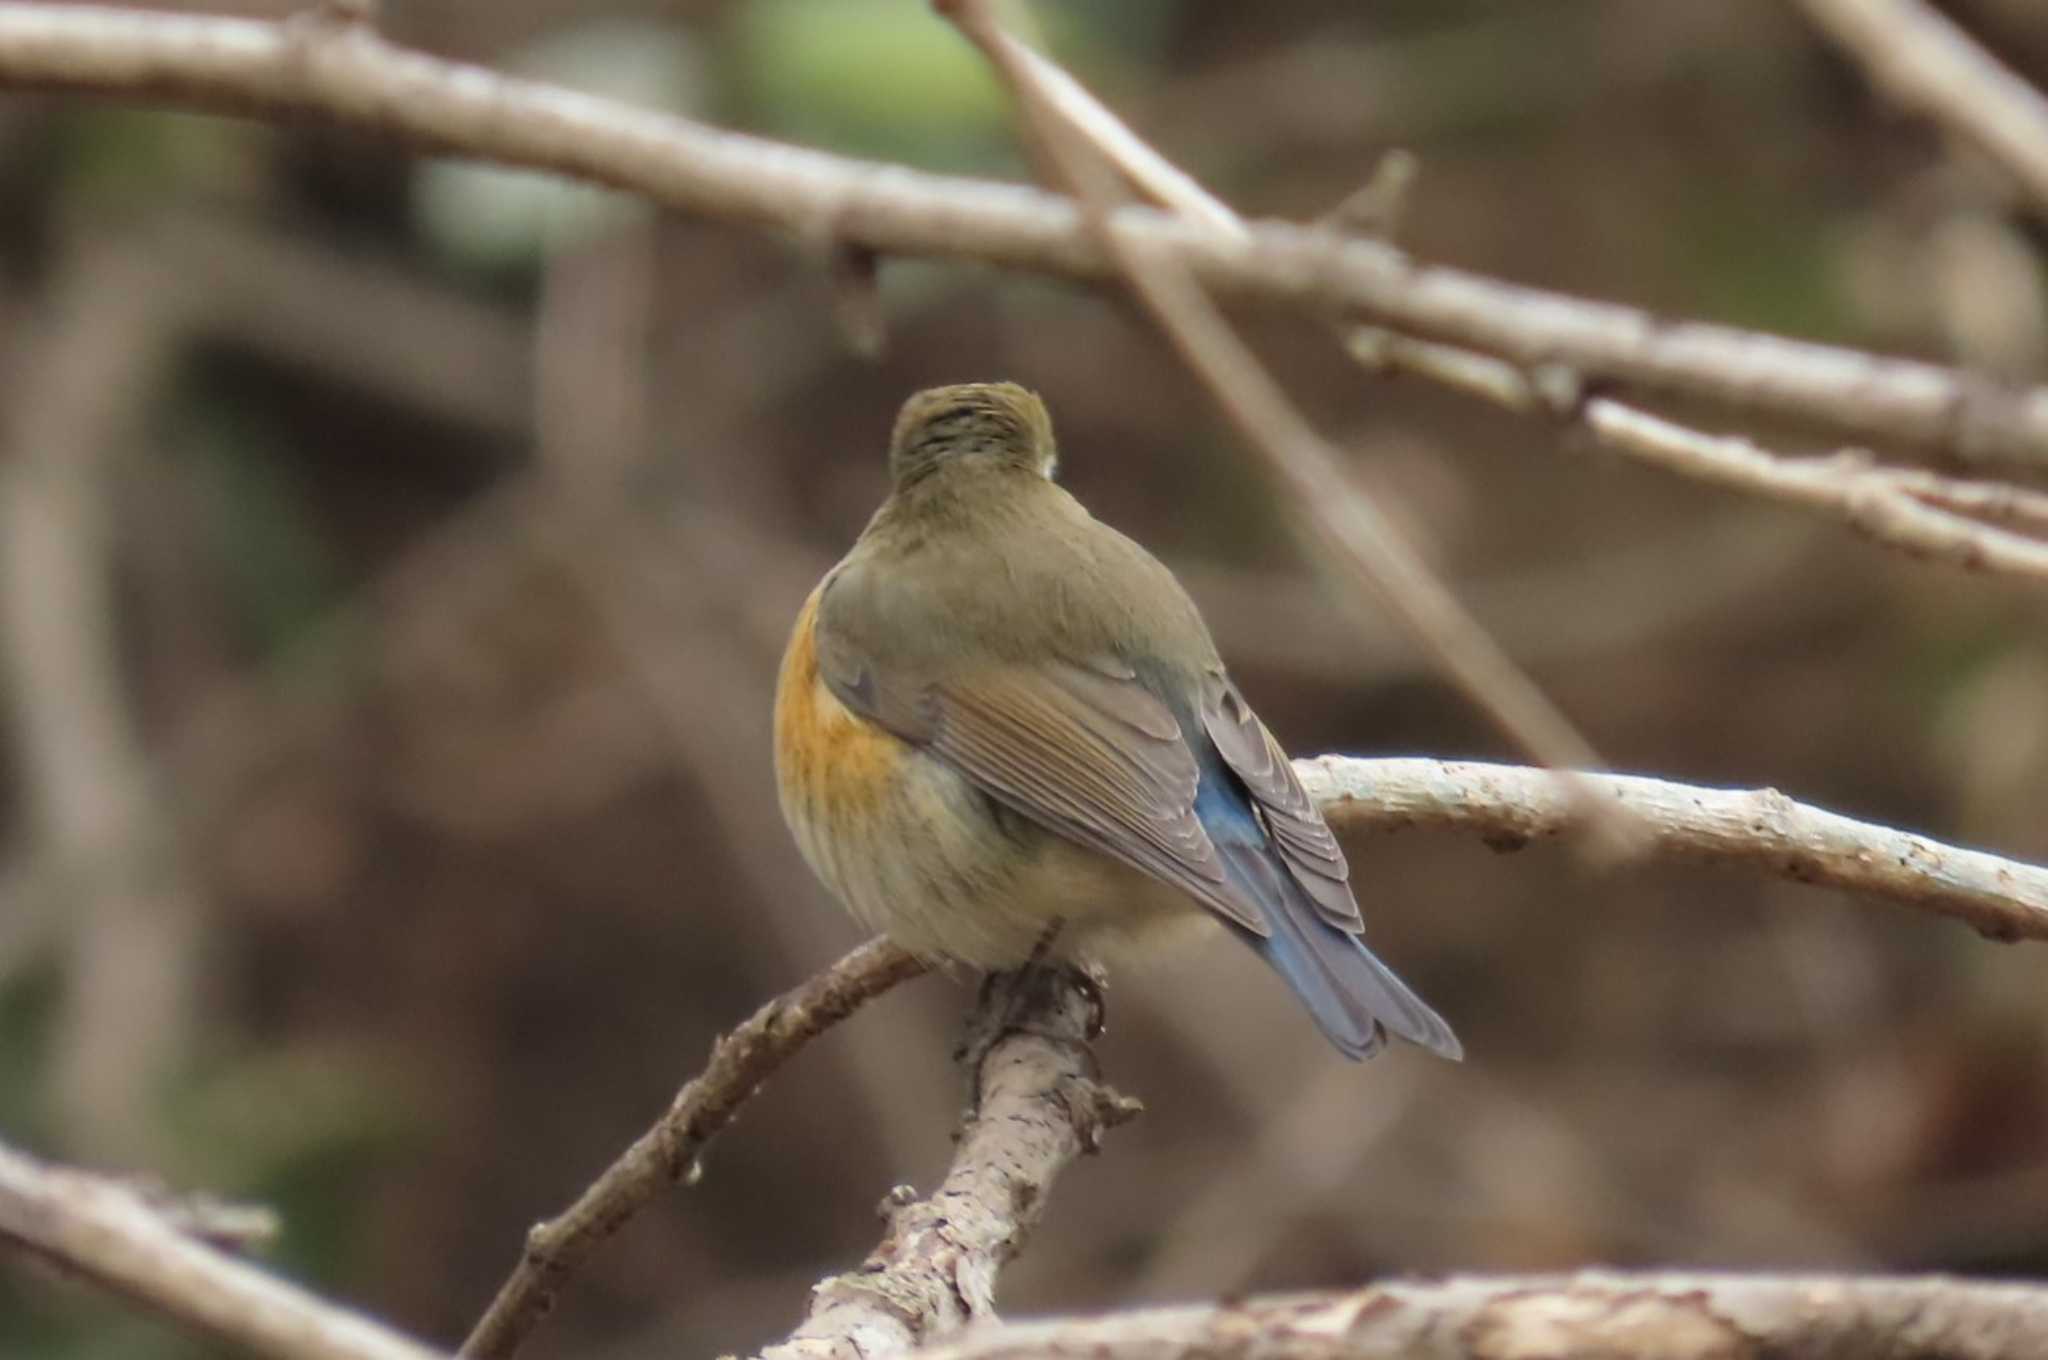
(347, 74)
(1919, 57)
(668, 1152)
(1038, 1105)
(1751, 828)
(131, 931)
(112, 1234)
(1909, 514)
(1594, 1313)
(1912, 509)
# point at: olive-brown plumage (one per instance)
(997, 713)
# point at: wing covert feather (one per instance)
(1082, 748)
(1305, 842)
(1096, 758)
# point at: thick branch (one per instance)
(1918, 56)
(1508, 806)
(112, 1234)
(668, 1152)
(1592, 1314)
(1038, 1105)
(347, 74)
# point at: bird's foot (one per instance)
(1059, 1002)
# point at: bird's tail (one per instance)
(1353, 997)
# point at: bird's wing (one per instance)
(1294, 823)
(1083, 749)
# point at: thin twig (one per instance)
(1038, 1104)
(348, 75)
(1997, 501)
(1899, 514)
(1919, 57)
(1759, 829)
(112, 1234)
(1593, 1313)
(1151, 173)
(1922, 513)
(667, 1152)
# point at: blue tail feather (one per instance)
(1354, 998)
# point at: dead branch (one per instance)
(1916, 511)
(1593, 1314)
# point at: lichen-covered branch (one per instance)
(1603, 1315)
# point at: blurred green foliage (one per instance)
(883, 79)
(279, 573)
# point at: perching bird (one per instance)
(998, 714)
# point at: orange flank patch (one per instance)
(827, 758)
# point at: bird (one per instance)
(999, 720)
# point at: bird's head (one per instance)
(1000, 422)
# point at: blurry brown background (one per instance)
(397, 558)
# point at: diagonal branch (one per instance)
(348, 75)
(1916, 511)
(668, 1151)
(1919, 57)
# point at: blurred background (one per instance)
(397, 554)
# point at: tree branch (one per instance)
(1038, 1105)
(346, 74)
(1919, 57)
(1918, 512)
(668, 1152)
(1594, 1313)
(1508, 806)
(112, 1234)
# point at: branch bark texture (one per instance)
(1508, 806)
(1589, 1316)
(344, 73)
